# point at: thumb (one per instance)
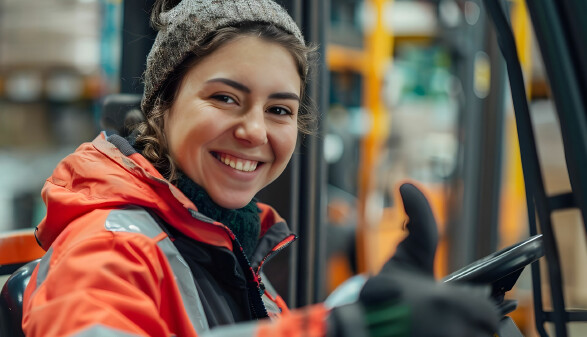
(417, 250)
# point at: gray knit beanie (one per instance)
(187, 24)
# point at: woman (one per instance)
(223, 102)
(159, 234)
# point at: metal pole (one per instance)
(464, 203)
(488, 184)
(137, 39)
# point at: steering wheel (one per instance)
(501, 269)
(500, 264)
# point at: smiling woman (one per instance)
(166, 217)
(158, 233)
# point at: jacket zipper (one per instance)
(256, 273)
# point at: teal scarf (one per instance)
(243, 222)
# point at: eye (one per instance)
(278, 110)
(224, 99)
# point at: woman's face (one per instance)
(233, 125)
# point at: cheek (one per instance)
(286, 143)
(181, 139)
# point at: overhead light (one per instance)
(24, 86)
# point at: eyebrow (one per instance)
(285, 95)
(244, 88)
(234, 84)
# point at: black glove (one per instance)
(405, 300)
(407, 281)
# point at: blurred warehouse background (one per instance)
(411, 90)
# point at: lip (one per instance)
(238, 174)
(239, 156)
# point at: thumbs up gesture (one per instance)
(404, 299)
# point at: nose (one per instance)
(252, 129)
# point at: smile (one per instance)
(237, 163)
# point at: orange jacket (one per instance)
(111, 271)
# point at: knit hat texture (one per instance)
(187, 24)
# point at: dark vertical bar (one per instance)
(474, 202)
(465, 201)
(310, 252)
(561, 51)
(295, 9)
(137, 39)
(491, 150)
(322, 20)
(312, 196)
(539, 315)
(293, 270)
(577, 34)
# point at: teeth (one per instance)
(237, 163)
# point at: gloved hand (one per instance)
(405, 300)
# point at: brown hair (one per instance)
(151, 135)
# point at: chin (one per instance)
(232, 202)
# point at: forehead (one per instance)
(250, 59)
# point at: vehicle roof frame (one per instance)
(560, 50)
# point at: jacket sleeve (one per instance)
(309, 321)
(103, 285)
